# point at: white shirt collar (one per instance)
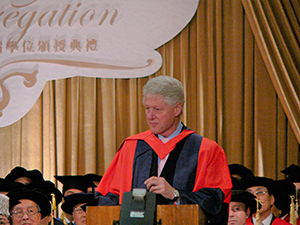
(266, 221)
(175, 133)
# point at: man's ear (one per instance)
(178, 109)
(40, 216)
(272, 199)
(248, 212)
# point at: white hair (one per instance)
(168, 87)
(4, 205)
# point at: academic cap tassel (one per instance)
(297, 205)
(53, 208)
(63, 218)
(293, 218)
(257, 217)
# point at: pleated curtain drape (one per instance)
(239, 63)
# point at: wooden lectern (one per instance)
(166, 214)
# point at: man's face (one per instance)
(264, 197)
(26, 213)
(79, 215)
(237, 213)
(162, 118)
(4, 220)
(69, 192)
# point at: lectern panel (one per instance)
(179, 214)
(167, 214)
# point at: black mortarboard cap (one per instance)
(288, 186)
(48, 188)
(240, 170)
(34, 195)
(245, 197)
(283, 189)
(93, 177)
(293, 173)
(17, 172)
(248, 182)
(6, 185)
(75, 182)
(91, 203)
(74, 199)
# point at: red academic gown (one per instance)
(287, 218)
(275, 221)
(201, 168)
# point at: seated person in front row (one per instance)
(4, 210)
(73, 184)
(284, 206)
(242, 206)
(75, 205)
(28, 206)
(170, 160)
(264, 189)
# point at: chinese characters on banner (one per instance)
(46, 40)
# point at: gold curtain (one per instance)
(277, 32)
(240, 68)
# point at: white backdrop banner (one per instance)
(43, 40)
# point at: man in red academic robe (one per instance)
(264, 190)
(177, 164)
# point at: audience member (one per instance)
(242, 206)
(238, 171)
(74, 205)
(263, 189)
(73, 184)
(21, 175)
(293, 175)
(28, 206)
(284, 205)
(4, 210)
(54, 197)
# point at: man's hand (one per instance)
(159, 185)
